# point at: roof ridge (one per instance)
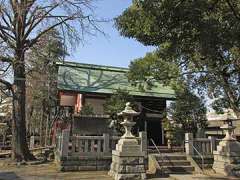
(92, 66)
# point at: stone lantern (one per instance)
(227, 156)
(128, 159)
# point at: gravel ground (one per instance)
(47, 172)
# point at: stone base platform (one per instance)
(128, 166)
(227, 158)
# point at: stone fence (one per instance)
(203, 146)
(94, 146)
(75, 152)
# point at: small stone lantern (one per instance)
(128, 159)
(169, 129)
(228, 127)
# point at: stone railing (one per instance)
(197, 146)
(90, 146)
(203, 146)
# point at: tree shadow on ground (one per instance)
(216, 178)
(9, 176)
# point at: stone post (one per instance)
(65, 143)
(106, 143)
(189, 143)
(213, 142)
(143, 137)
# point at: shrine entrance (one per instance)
(155, 131)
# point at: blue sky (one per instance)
(113, 50)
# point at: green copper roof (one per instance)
(88, 78)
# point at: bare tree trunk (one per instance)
(41, 128)
(46, 131)
(20, 150)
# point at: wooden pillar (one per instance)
(145, 125)
(162, 129)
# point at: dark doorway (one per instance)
(154, 131)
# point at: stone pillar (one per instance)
(189, 143)
(106, 143)
(143, 137)
(65, 143)
(128, 158)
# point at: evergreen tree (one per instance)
(188, 111)
(115, 104)
(196, 40)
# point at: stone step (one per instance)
(165, 147)
(174, 163)
(171, 157)
(85, 163)
(163, 151)
(207, 166)
(178, 169)
(83, 168)
(208, 162)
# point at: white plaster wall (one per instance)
(67, 100)
(97, 105)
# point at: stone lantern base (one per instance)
(227, 158)
(128, 161)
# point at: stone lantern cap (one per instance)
(128, 111)
(229, 116)
(227, 126)
(3, 125)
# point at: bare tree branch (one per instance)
(22, 24)
(6, 83)
(6, 59)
